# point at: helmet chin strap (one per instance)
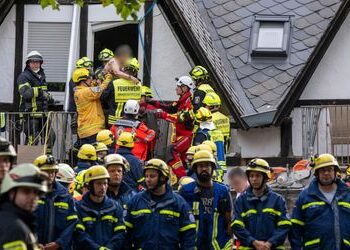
(262, 183)
(159, 184)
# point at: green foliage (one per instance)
(124, 8)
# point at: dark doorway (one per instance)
(112, 38)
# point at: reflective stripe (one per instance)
(128, 224)
(35, 91)
(141, 211)
(346, 242)
(188, 227)
(88, 218)
(228, 245)
(315, 203)
(118, 228)
(312, 242)
(140, 180)
(344, 204)
(119, 110)
(41, 202)
(23, 85)
(63, 205)
(72, 217)
(272, 211)
(169, 212)
(195, 212)
(284, 222)
(80, 226)
(109, 217)
(15, 245)
(299, 222)
(244, 248)
(281, 247)
(214, 242)
(238, 222)
(250, 211)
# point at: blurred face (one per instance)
(326, 175)
(116, 174)
(151, 178)
(238, 183)
(204, 171)
(101, 154)
(5, 165)
(123, 58)
(26, 198)
(52, 175)
(256, 179)
(88, 81)
(100, 187)
(34, 65)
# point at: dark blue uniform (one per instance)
(125, 193)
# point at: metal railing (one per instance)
(326, 129)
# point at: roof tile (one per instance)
(326, 13)
(314, 18)
(209, 3)
(219, 11)
(236, 50)
(243, 12)
(231, 17)
(314, 6)
(257, 90)
(271, 84)
(269, 96)
(238, 26)
(267, 3)
(231, 6)
(328, 2)
(248, 83)
(225, 31)
(291, 4)
(255, 7)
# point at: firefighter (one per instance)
(7, 157)
(101, 224)
(87, 157)
(34, 98)
(121, 90)
(179, 113)
(212, 102)
(145, 138)
(65, 176)
(321, 217)
(118, 190)
(260, 219)
(56, 217)
(101, 151)
(106, 136)
(81, 186)
(91, 119)
(134, 178)
(210, 202)
(158, 218)
(146, 98)
(189, 156)
(200, 75)
(20, 192)
(104, 56)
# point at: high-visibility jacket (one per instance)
(165, 223)
(56, 217)
(117, 94)
(317, 224)
(260, 218)
(99, 227)
(210, 214)
(91, 119)
(199, 94)
(222, 123)
(145, 138)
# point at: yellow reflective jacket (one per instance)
(222, 122)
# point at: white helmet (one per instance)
(132, 107)
(65, 173)
(34, 55)
(185, 80)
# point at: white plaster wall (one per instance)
(259, 142)
(7, 58)
(331, 78)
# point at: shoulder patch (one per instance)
(96, 89)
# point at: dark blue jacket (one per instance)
(263, 218)
(103, 227)
(317, 224)
(125, 193)
(134, 177)
(211, 225)
(82, 165)
(56, 217)
(164, 224)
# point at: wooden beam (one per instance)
(148, 35)
(83, 30)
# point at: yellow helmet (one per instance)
(184, 181)
(100, 146)
(97, 172)
(105, 55)
(203, 156)
(199, 73)
(83, 62)
(132, 64)
(203, 146)
(46, 162)
(126, 139)
(80, 180)
(324, 160)
(105, 136)
(348, 171)
(160, 165)
(191, 150)
(211, 100)
(146, 91)
(212, 145)
(80, 74)
(203, 115)
(259, 165)
(87, 152)
(116, 159)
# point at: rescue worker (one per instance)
(158, 218)
(134, 178)
(211, 204)
(20, 192)
(104, 56)
(184, 181)
(81, 186)
(65, 176)
(200, 75)
(212, 102)
(91, 119)
(145, 138)
(179, 113)
(101, 151)
(118, 190)
(121, 90)
(101, 224)
(56, 217)
(189, 157)
(7, 157)
(87, 157)
(34, 98)
(260, 218)
(321, 217)
(106, 136)
(146, 98)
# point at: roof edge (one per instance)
(5, 9)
